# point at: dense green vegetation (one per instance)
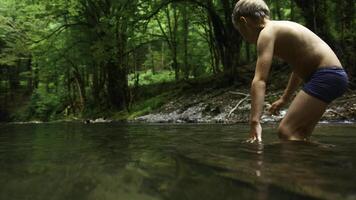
(85, 57)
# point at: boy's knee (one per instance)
(287, 133)
(283, 132)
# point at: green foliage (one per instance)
(148, 77)
(89, 52)
(44, 106)
(143, 107)
(148, 105)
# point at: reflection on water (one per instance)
(118, 161)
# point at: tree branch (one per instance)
(59, 30)
(237, 105)
(137, 47)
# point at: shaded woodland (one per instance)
(78, 57)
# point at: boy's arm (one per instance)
(265, 48)
(292, 86)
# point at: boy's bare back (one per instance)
(299, 47)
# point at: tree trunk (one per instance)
(152, 59)
(171, 37)
(185, 40)
(79, 82)
(14, 77)
(30, 76)
(80, 88)
(116, 85)
(162, 56)
(214, 51)
(175, 62)
(174, 35)
(227, 38)
(117, 82)
(348, 37)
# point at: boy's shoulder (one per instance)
(275, 29)
(275, 26)
(268, 32)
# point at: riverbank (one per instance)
(205, 100)
(232, 105)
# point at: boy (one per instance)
(311, 59)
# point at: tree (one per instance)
(315, 15)
(170, 36)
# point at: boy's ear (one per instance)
(243, 20)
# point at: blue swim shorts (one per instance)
(327, 83)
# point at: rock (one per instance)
(99, 120)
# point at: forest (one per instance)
(80, 58)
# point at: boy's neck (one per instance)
(259, 28)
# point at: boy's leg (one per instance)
(301, 118)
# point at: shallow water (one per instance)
(129, 162)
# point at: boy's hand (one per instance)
(255, 133)
(276, 106)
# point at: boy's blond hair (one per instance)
(256, 9)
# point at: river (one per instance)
(74, 161)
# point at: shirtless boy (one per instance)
(312, 61)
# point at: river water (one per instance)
(197, 162)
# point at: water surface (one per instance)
(122, 161)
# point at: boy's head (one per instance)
(254, 9)
(249, 17)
